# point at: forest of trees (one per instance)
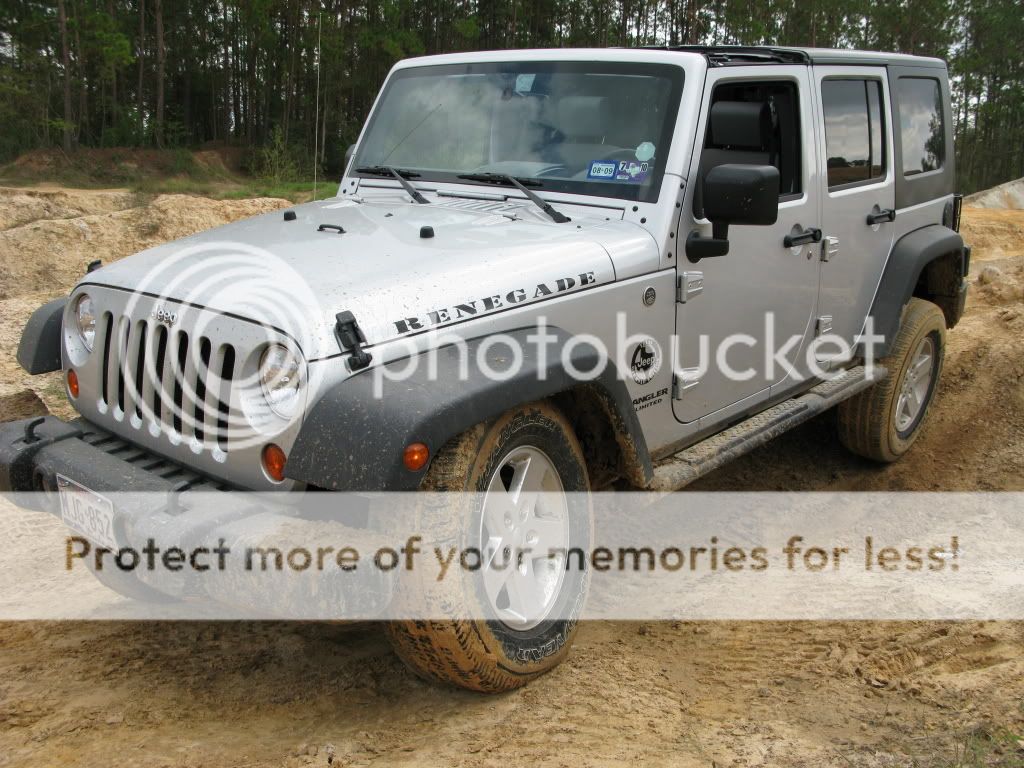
(171, 73)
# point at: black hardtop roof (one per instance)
(724, 55)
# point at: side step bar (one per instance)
(694, 462)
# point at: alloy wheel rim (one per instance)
(916, 384)
(525, 519)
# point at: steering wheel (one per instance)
(553, 170)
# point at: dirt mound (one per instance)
(993, 233)
(51, 253)
(21, 405)
(1008, 195)
(212, 161)
(23, 206)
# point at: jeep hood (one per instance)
(378, 261)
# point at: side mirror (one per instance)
(348, 154)
(735, 194)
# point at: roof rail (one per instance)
(724, 55)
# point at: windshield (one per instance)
(580, 127)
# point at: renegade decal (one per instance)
(493, 303)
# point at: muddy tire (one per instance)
(882, 422)
(525, 448)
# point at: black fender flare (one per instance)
(351, 440)
(907, 260)
(39, 348)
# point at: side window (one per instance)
(922, 132)
(854, 142)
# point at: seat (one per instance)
(515, 132)
(583, 121)
(738, 132)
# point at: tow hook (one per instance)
(30, 431)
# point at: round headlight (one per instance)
(85, 319)
(281, 379)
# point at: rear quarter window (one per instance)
(922, 132)
(853, 130)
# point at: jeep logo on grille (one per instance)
(161, 315)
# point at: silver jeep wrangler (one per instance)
(543, 270)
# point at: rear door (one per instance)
(857, 196)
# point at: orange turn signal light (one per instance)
(415, 456)
(72, 382)
(274, 460)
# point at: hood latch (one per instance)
(351, 339)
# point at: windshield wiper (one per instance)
(521, 184)
(403, 177)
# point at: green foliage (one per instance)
(986, 747)
(245, 72)
(183, 163)
(296, 191)
(276, 162)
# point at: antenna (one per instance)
(316, 119)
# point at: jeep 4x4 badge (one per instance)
(645, 362)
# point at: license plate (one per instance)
(86, 512)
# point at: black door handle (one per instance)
(811, 235)
(335, 227)
(887, 214)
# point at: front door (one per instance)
(763, 292)
(857, 196)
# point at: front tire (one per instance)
(882, 422)
(533, 608)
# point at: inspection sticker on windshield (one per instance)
(602, 169)
(629, 171)
(632, 172)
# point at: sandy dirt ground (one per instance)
(681, 694)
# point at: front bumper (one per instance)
(34, 451)
(157, 500)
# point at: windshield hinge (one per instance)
(351, 339)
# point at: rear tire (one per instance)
(503, 652)
(882, 422)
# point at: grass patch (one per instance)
(296, 191)
(150, 172)
(91, 168)
(988, 747)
